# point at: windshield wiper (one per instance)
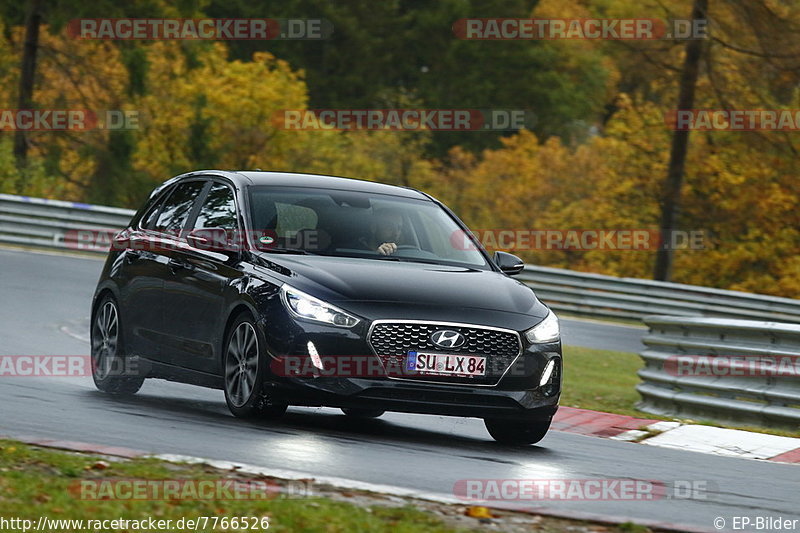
(410, 260)
(404, 260)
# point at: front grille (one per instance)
(391, 342)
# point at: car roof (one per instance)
(245, 178)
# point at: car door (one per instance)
(149, 268)
(139, 275)
(200, 285)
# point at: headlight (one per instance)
(304, 305)
(545, 331)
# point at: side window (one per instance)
(178, 206)
(148, 221)
(219, 209)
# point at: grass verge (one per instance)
(37, 482)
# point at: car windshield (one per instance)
(358, 224)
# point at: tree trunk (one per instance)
(671, 202)
(33, 19)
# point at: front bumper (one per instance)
(391, 395)
(516, 395)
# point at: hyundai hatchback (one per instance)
(296, 289)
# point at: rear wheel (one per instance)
(362, 413)
(111, 371)
(517, 432)
(244, 372)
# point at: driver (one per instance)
(385, 230)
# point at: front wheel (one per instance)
(111, 371)
(244, 372)
(517, 432)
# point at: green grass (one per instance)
(601, 380)
(38, 482)
(604, 380)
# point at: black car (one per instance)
(297, 289)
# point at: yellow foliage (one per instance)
(235, 101)
(200, 108)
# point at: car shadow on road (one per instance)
(396, 433)
(203, 409)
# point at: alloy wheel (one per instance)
(241, 365)
(105, 340)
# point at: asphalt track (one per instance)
(44, 300)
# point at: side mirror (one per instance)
(214, 240)
(508, 263)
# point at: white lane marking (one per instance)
(296, 474)
(84, 337)
(726, 442)
(652, 430)
(630, 435)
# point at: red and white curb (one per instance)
(690, 437)
(352, 484)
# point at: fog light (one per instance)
(550, 384)
(548, 371)
(312, 351)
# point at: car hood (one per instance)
(386, 288)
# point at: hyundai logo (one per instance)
(447, 338)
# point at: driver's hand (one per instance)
(387, 248)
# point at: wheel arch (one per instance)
(100, 294)
(235, 310)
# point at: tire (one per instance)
(517, 432)
(362, 413)
(111, 370)
(244, 370)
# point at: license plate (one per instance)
(438, 364)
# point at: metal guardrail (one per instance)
(762, 388)
(612, 297)
(57, 224)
